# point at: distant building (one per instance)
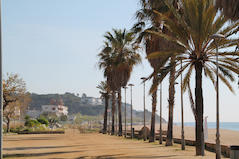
(33, 113)
(59, 110)
(90, 100)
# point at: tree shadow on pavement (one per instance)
(33, 148)
(168, 156)
(101, 157)
(119, 156)
(32, 138)
(36, 154)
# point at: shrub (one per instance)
(63, 118)
(4, 130)
(43, 120)
(53, 120)
(27, 117)
(32, 123)
(40, 128)
(17, 129)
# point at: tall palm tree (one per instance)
(104, 91)
(106, 63)
(230, 8)
(125, 57)
(153, 44)
(191, 32)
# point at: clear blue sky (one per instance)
(53, 44)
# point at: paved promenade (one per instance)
(74, 145)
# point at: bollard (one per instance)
(234, 152)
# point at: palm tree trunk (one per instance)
(106, 113)
(169, 140)
(113, 113)
(119, 112)
(199, 111)
(8, 124)
(154, 104)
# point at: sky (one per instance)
(53, 46)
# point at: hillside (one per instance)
(75, 105)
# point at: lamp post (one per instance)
(116, 120)
(238, 81)
(116, 117)
(160, 126)
(144, 78)
(131, 110)
(125, 135)
(160, 120)
(216, 38)
(108, 121)
(1, 88)
(182, 116)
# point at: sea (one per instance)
(212, 125)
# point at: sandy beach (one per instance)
(228, 137)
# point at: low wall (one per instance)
(225, 150)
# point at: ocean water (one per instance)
(212, 125)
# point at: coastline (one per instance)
(228, 137)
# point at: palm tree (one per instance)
(229, 8)
(169, 140)
(153, 44)
(190, 32)
(104, 91)
(124, 58)
(106, 61)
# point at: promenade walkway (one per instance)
(74, 145)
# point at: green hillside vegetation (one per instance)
(75, 106)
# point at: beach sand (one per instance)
(228, 137)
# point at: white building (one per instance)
(90, 100)
(33, 113)
(59, 110)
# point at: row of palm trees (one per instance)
(177, 36)
(117, 59)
